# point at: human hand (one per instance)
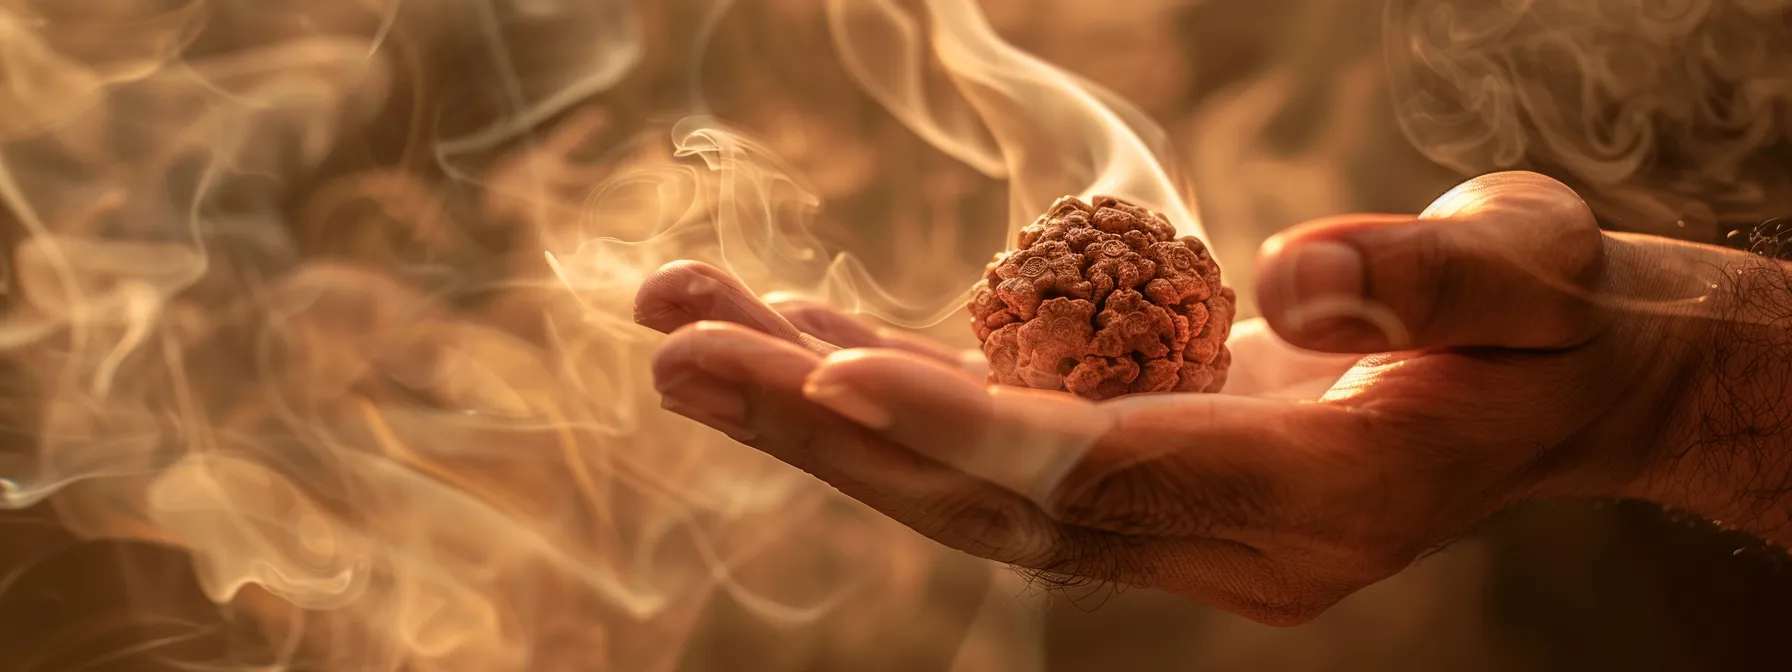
(1534, 356)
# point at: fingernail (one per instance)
(1323, 269)
(710, 402)
(846, 402)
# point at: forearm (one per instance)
(1729, 458)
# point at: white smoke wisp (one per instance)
(1056, 134)
(334, 299)
(391, 445)
(1671, 116)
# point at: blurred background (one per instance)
(318, 353)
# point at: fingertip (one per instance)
(733, 352)
(683, 292)
(692, 267)
(681, 350)
(670, 279)
(662, 301)
(882, 367)
(839, 385)
(872, 386)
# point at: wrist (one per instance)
(1726, 454)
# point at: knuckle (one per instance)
(1493, 190)
(1521, 180)
(1559, 253)
(1503, 235)
(1572, 241)
(1545, 214)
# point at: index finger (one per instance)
(683, 293)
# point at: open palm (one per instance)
(1505, 378)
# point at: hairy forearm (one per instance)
(1731, 458)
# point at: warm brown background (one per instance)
(1281, 111)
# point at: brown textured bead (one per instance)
(1101, 299)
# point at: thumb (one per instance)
(1504, 260)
